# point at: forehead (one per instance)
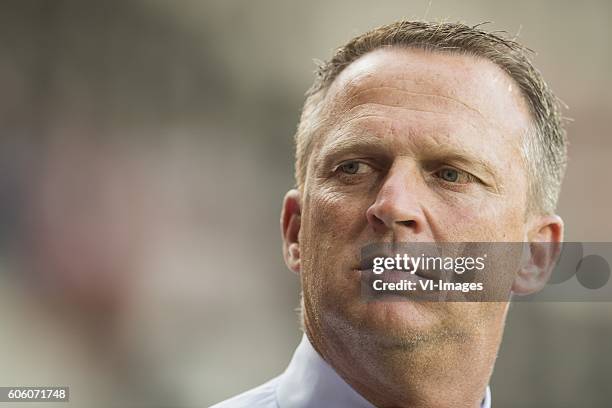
(449, 84)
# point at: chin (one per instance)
(394, 323)
(401, 315)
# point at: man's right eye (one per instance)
(354, 167)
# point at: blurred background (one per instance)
(145, 148)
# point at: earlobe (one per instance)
(541, 254)
(290, 229)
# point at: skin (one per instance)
(400, 122)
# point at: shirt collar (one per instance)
(309, 381)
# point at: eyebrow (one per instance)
(353, 144)
(380, 147)
(472, 162)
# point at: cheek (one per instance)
(334, 217)
(490, 218)
(332, 225)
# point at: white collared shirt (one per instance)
(308, 382)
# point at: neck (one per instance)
(449, 372)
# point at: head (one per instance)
(418, 132)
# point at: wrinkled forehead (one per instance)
(437, 81)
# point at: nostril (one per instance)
(378, 221)
(408, 223)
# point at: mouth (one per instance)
(400, 269)
(373, 286)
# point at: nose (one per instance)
(399, 203)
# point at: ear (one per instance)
(290, 229)
(541, 254)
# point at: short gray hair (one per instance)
(545, 146)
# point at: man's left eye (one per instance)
(452, 175)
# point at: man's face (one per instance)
(418, 147)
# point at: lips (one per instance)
(367, 264)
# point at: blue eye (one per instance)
(450, 175)
(351, 167)
(355, 167)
